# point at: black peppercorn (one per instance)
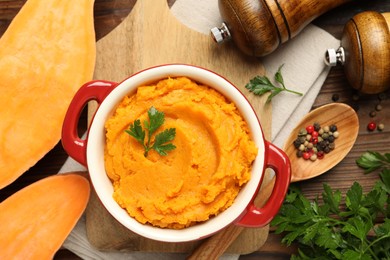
(382, 96)
(331, 139)
(317, 126)
(333, 128)
(297, 143)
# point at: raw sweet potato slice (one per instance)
(46, 54)
(36, 220)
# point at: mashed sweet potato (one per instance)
(197, 180)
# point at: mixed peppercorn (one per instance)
(314, 141)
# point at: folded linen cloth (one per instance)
(303, 71)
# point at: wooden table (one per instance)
(109, 13)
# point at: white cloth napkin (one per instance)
(303, 71)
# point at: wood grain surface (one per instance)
(109, 13)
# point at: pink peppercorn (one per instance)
(320, 155)
(371, 126)
(314, 134)
(306, 155)
(309, 129)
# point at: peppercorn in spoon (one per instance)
(321, 140)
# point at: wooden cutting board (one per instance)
(149, 36)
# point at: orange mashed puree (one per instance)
(197, 180)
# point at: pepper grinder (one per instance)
(364, 52)
(258, 27)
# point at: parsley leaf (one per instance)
(353, 226)
(161, 142)
(260, 85)
(371, 161)
(156, 119)
(136, 131)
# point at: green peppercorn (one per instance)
(326, 129)
(325, 136)
(321, 131)
(378, 107)
(303, 131)
(355, 97)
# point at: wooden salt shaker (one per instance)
(258, 27)
(365, 52)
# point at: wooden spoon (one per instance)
(347, 122)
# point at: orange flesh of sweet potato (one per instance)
(46, 54)
(36, 220)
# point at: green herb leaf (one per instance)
(156, 119)
(371, 161)
(326, 229)
(161, 143)
(136, 131)
(279, 77)
(332, 198)
(354, 197)
(260, 85)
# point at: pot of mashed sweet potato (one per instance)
(199, 178)
(176, 153)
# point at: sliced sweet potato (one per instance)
(46, 54)
(36, 220)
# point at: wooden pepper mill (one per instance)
(365, 52)
(258, 27)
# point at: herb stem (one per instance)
(373, 243)
(294, 92)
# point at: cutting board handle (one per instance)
(279, 162)
(96, 90)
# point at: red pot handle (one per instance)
(94, 90)
(279, 162)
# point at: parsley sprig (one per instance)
(161, 141)
(371, 161)
(340, 227)
(260, 85)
